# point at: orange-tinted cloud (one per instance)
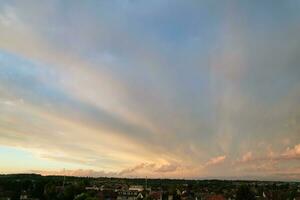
(216, 160)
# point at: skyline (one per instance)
(169, 89)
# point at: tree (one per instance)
(91, 198)
(245, 193)
(50, 191)
(81, 196)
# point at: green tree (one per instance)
(50, 191)
(245, 193)
(91, 198)
(82, 196)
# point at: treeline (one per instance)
(41, 187)
(67, 188)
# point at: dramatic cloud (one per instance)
(146, 168)
(150, 88)
(247, 157)
(216, 160)
(293, 153)
(167, 168)
(78, 172)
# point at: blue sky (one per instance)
(150, 88)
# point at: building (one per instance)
(130, 195)
(92, 188)
(155, 195)
(136, 188)
(215, 197)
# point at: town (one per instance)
(38, 187)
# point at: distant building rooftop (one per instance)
(136, 188)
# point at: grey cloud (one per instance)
(167, 168)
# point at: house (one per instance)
(92, 188)
(187, 195)
(156, 195)
(136, 188)
(106, 195)
(215, 197)
(129, 195)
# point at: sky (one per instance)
(163, 88)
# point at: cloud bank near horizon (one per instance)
(151, 88)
